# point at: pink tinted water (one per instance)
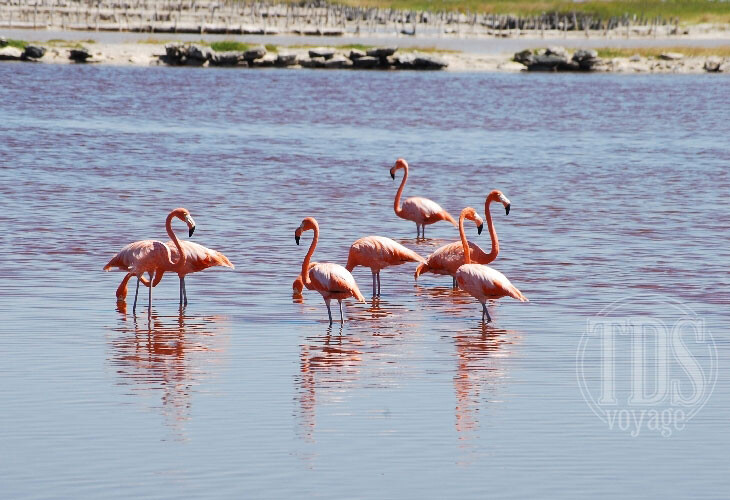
(618, 187)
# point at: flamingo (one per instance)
(153, 257)
(480, 281)
(379, 252)
(198, 259)
(422, 211)
(448, 258)
(332, 281)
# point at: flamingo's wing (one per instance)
(199, 257)
(137, 255)
(377, 252)
(486, 282)
(333, 278)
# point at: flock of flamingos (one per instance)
(463, 260)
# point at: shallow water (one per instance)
(619, 190)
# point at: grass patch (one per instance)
(690, 11)
(271, 48)
(18, 44)
(609, 52)
(229, 45)
(75, 44)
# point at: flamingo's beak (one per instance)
(191, 225)
(297, 234)
(296, 238)
(392, 175)
(506, 209)
(479, 228)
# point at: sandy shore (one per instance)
(148, 54)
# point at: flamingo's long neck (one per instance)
(492, 232)
(181, 260)
(467, 257)
(396, 202)
(307, 258)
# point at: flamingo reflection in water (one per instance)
(171, 356)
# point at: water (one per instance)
(619, 190)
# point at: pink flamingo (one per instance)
(448, 258)
(422, 211)
(198, 259)
(377, 253)
(332, 281)
(480, 281)
(153, 257)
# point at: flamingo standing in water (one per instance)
(198, 259)
(448, 258)
(377, 253)
(153, 257)
(422, 211)
(480, 281)
(332, 281)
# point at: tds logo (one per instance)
(653, 371)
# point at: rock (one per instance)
(79, 55)
(546, 62)
(3, 41)
(671, 56)
(381, 52)
(635, 58)
(404, 61)
(198, 55)
(366, 62)
(712, 64)
(286, 59)
(10, 54)
(325, 52)
(313, 62)
(356, 54)
(724, 67)
(511, 66)
(265, 62)
(175, 53)
(33, 52)
(556, 51)
(229, 58)
(524, 57)
(586, 59)
(255, 53)
(429, 62)
(337, 62)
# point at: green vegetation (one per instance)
(689, 11)
(18, 44)
(653, 52)
(229, 45)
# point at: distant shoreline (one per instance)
(137, 50)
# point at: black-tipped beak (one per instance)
(392, 175)
(191, 231)
(506, 209)
(296, 238)
(479, 228)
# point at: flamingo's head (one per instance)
(307, 224)
(497, 195)
(184, 215)
(471, 214)
(399, 163)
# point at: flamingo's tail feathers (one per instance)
(116, 261)
(410, 256)
(222, 260)
(515, 293)
(422, 268)
(448, 217)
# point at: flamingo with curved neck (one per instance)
(422, 211)
(153, 257)
(448, 258)
(480, 281)
(332, 281)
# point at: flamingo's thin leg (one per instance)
(185, 290)
(149, 309)
(378, 283)
(423, 231)
(453, 282)
(181, 291)
(134, 307)
(485, 311)
(329, 311)
(418, 230)
(374, 285)
(342, 319)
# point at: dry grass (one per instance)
(608, 53)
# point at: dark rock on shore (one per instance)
(10, 54)
(337, 62)
(366, 62)
(356, 54)
(556, 59)
(79, 55)
(283, 60)
(381, 52)
(586, 59)
(231, 58)
(32, 52)
(313, 62)
(324, 52)
(255, 53)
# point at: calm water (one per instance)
(619, 190)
